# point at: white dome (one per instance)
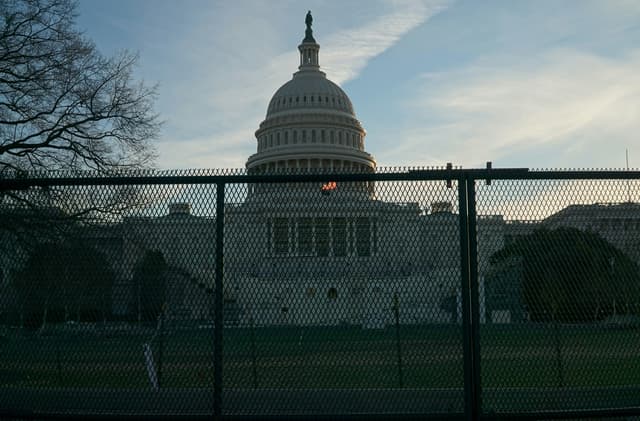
(310, 124)
(307, 90)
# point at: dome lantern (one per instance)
(309, 49)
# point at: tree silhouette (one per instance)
(64, 281)
(149, 280)
(573, 276)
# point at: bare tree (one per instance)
(62, 104)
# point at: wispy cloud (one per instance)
(349, 51)
(563, 108)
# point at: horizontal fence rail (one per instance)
(405, 293)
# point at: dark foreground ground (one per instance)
(318, 370)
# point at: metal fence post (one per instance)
(469, 292)
(218, 317)
(396, 313)
(475, 293)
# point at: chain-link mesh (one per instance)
(333, 300)
(107, 299)
(342, 294)
(559, 294)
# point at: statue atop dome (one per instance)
(308, 33)
(309, 19)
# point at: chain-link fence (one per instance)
(407, 293)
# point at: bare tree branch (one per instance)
(62, 104)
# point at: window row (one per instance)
(293, 137)
(322, 236)
(291, 165)
(294, 101)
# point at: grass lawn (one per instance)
(515, 356)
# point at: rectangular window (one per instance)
(323, 240)
(269, 237)
(339, 231)
(280, 236)
(363, 237)
(305, 236)
(374, 236)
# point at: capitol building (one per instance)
(297, 256)
(315, 253)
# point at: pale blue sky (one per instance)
(527, 84)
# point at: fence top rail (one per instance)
(190, 177)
